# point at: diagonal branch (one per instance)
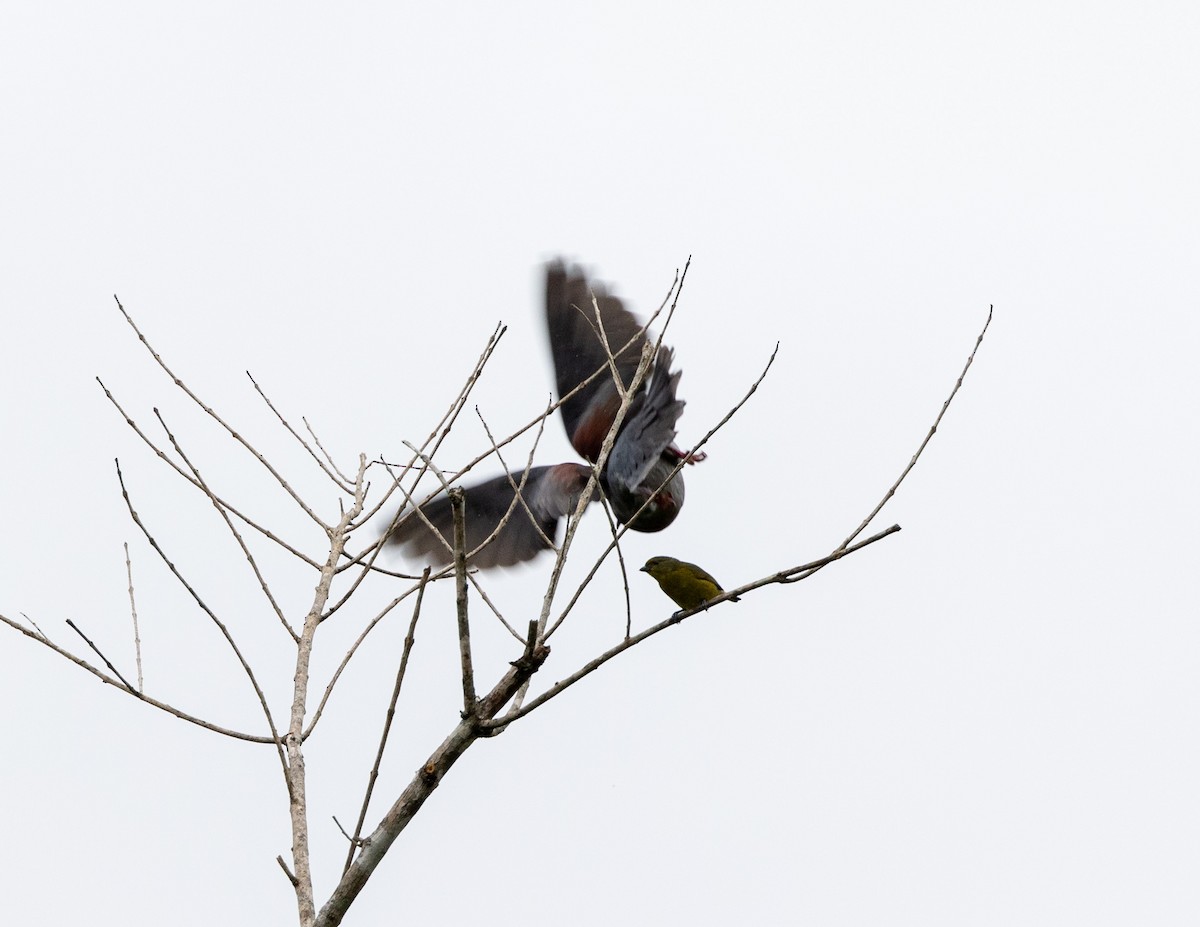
(220, 421)
(183, 473)
(443, 427)
(370, 626)
(137, 640)
(262, 699)
(618, 531)
(41, 638)
(917, 456)
(588, 668)
(223, 512)
(96, 650)
(458, 505)
(427, 779)
(409, 641)
(340, 481)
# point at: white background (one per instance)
(989, 718)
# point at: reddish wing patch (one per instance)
(592, 429)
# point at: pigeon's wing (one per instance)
(649, 427)
(578, 352)
(549, 492)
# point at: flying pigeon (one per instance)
(641, 459)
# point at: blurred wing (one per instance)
(550, 493)
(578, 353)
(649, 428)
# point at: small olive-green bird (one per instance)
(687, 584)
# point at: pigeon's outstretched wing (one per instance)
(649, 427)
(578, 352)
(549, 492)
(638, 478)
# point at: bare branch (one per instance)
(409, 641)
(221, 510)
(375, 548)
(442, 429)
(458, 504)
(339, 481)
(491, 605)
(220, 421)
(537, 421)
(287, 872)
(347, 481)
(917, 456)
(619, 531)
(639, 376)
(41, 638)
(428, 777)
(518, 488)
(41, 633)
(296, 778)
(590, 667)
(187, 476)
(262, 699)
(137, 640)
(370, 626)
(112, 669)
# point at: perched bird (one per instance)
(634, 474)
(687, 584)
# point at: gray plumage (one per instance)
(643, 453)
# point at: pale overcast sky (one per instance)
(989, 718)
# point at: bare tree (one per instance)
(345, 560)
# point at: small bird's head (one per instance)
(659, 566)
(686, 584)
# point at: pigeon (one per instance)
(633, 477)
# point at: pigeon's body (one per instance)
(641, 460)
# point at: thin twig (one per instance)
(74, 627)
(41, 633)
(370, 626)
(296, 771)
(442, 430)
(912, 463)
(342, 829)
(269, 535)
(120, 686)
(426, 780)
(254, 452)
(620, 531)
(518, 488)
(223, 512)
(328, 457)
(559, 687)
(648, 354)
(262, 699)
(409, 641)
(482, 593)
(593, 483)
(458, 505)
(471, 464)
(137, 640)
(341, 482)
(287, 872)
(378, 546)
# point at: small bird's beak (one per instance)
(643, 569)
